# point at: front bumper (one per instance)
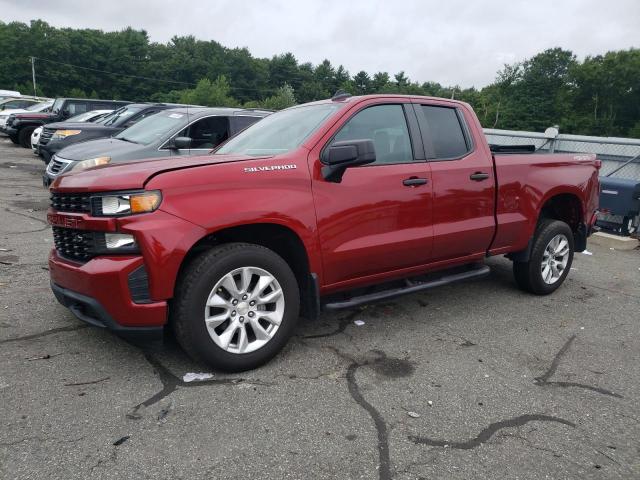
(90, 311)
(98, 292)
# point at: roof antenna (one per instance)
(340, 95)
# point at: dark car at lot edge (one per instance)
(59, 135)
(20, 126)
(170, 133)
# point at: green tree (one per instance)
(284, 98)
(208, 93)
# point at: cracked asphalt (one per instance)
(499, 383)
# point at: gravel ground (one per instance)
(475, 380)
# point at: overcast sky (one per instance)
(463, 42)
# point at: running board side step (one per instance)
(411, 287)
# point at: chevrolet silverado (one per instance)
(327, 205)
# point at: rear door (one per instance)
(378, 218)
(463, 182)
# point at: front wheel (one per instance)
(24, 137)
(550, 259)
(235, 306)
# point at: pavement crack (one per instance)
(488, 432)
(384, 466)
(544, 379)
(343, 323)
(171, 382)
(53, 331)
(384, 461)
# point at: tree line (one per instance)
(599, 95)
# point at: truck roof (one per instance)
(358, 98)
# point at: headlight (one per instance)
(60, 134)
(127, 203)
(93, 162)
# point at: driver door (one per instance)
(378, 218)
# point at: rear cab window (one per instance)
(444, 132)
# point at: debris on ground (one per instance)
(196, 377)
(121, 440)
(413, 414)
(430, 403)
(90, 382)
(359, 322)
(162, 415)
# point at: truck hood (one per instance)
(134, 175)
(103, 147)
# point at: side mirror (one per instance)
(181, 142)
(342, 155)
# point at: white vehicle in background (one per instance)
(93, 116)
(9, 93)
(38, 107)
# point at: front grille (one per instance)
(46, 135)
(78, 245)
(71, 202)
(57, 166)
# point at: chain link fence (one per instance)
(614, 152)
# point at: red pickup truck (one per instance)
(326, 205)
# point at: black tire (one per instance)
(528, 275)
(24, 137)
(196, 283)
(14, 139)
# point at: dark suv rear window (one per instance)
(445, 131)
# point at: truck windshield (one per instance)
(155, 127)
(279, 133)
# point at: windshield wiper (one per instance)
(126, 139)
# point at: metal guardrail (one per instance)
(613, 151)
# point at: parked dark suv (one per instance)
(20, 126)
(172, 133)
(58, 135)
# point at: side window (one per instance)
(75, 108)
(241, 122)
(445, 131)
(387, 127)
(208, 132)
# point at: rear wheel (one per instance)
(235, 306)
(550, 259)
(24, 137)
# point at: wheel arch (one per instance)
(280, 239)
(567, 206)
(564, 204)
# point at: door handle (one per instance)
(479, 176)
(414, 181)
